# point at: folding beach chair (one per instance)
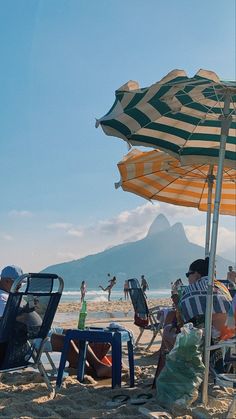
(145, 318)
(227, 379)
(28, 315)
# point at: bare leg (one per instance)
(101, 369)
(104, 289)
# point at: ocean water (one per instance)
(116, 295)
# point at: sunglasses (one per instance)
(189, 273)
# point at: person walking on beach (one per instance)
(112, 282)
(83, 289)
(126, 289)
(144, 285)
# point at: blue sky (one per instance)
(61, 61)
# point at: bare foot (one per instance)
(103, 371)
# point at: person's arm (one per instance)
(218, 321)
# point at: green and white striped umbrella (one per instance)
(194, 119)
(178, 114)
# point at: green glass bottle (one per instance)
(82, 316)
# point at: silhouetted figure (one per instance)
(83, 289)
(126, 290)
(112, 282)
(144, 285)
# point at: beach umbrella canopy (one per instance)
(193, 119)
(155, 175)
(178, 114)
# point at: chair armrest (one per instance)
(223, 344)
(154, 309)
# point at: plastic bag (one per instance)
(182, 375)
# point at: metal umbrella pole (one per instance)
(210, 181)
(226, 122)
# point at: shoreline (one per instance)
(109, 306)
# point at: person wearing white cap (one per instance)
(8, 276)
(56, 342)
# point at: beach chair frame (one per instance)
(23, 349)
(143, 312)
(226, 379)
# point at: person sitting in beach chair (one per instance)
(191, 307)
(28, 303)
(31, 311)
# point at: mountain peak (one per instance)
(159, 224)
(178, 229)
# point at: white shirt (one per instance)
(3, 301)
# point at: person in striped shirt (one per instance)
(193, 300)
(191, 306)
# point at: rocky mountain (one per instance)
(162, 256)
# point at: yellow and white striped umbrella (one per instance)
(155, 175)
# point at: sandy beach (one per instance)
(24, 395)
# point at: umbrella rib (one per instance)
(199, 100)
(169, 112)
(173, 181)
(231, 177)
(200, 199)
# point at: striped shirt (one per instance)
(193, 301)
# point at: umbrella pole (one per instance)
(226, 122)
(210, 181)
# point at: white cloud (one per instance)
(133, 225)
(129, 223)
(59, 226)
(65, 256)
(126, 226)
(226, 239)
(20, 213)
(195, 234)
(78, 241)
(75, 232)
(177, 211)
(6, 237)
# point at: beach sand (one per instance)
(24, 395)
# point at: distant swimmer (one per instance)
(112, 282)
